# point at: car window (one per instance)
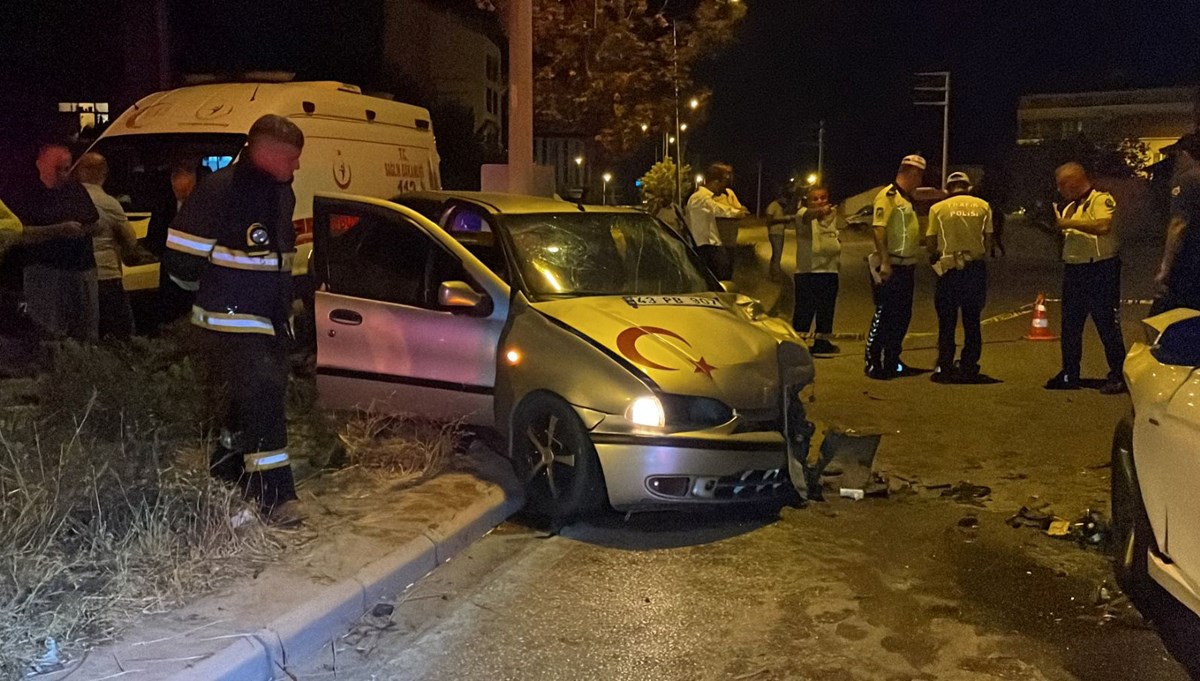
(1179, 344)
(565, 254)
(381, 255)
(474, 231)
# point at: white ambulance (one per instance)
(354, 143)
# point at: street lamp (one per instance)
(812, 179)
(579, 160)
(645, 127)
(683, 127)
(607, 177)
(699, 180)
(694, 104)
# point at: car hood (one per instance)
(705, 345)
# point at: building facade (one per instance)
(452, 53)
(1156, 116)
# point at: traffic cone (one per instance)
(1039, 327)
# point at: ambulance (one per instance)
(354, 143)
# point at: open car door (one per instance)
(407, 320)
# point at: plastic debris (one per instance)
(50, 661)
(851, 493)
(1059, 527)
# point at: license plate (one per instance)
(693, 301)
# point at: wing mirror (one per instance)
(458, 294)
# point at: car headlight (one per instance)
(646, 411)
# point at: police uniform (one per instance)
(1091, 285)
(234, 237)
(1183, 283)
(960, 223)
(894, 212)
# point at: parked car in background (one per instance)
(613, 365)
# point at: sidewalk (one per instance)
(366, 541)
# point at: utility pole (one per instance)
(758, 199)
(821, 152)
(944, 90)
(678, 130)
(520, 97)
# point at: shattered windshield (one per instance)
(581, 254)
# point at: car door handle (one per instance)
(348, 317)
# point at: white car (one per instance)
(1156, 464)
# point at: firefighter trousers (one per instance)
(250, 373)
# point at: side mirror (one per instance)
(458, 294)
(729, 286)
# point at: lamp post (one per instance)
(607, 177)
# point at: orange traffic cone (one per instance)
(1039, 328)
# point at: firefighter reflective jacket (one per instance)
(233, 238)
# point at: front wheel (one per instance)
(1132, 537)
(555, 459)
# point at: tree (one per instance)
(605, 68)
(658, 184)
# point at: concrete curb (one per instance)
(263, 655)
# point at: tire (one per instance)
(545, 427)
(1131, 538)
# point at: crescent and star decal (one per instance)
(627, 346)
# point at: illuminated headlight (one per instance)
(646, 411)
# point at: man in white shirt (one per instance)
(703, 209)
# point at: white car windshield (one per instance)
(581, 254)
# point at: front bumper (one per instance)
(644, 472)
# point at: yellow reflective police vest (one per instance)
(1081, 247)
(960, 223)
(902, 233)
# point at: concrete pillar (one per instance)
(520, 97)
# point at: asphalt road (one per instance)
(918, 585)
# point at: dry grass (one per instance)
(107, 510)
(403, 449)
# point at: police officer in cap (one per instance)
(893, 264)
(959, 236)
(233, 243)
(1178, 279)
(1091, 277)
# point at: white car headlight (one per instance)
(646, 411)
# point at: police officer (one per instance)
(1178, 279)
(959, 236)
(1091, 277)
(233, 244)
(897, 246)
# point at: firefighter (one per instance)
(893, 264)
(233, 244)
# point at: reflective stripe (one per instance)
(265, 461)
(230, 322)
(189, 243)
(241, 260)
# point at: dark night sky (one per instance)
(799, 60)
(793, 62)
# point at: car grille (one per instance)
(752, 484)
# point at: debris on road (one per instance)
(965, 493)
(851, 493)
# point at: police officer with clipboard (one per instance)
(1091, 277)
(893, 267)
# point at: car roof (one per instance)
(515, 204)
